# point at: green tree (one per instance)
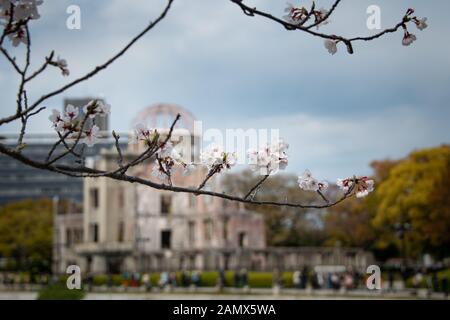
(417, 192)
(26, 234)
(350, 222)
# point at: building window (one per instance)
(121, 198)
(242, 238)
(225, 228)
(166, 203)
(94, 232)
(165, 239)
(208, 226)
(94, 197)
(68, 238)
(121, 232)
(192, 200)
(77, 235)
(191, 232)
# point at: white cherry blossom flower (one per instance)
(161, 171)
(320, 15)
(308, 183)
(104, 109)
(97, 107)
(56, 120)
(92, 135)
(26, 9)
(62, 64)
(5, 6)
(71, 113)
(294, 15)
(421, 23)
(408, 38)
(270, 158)
(18, 37)
(344, 184)
(362, 185)
(168, 151)
(142, 133)
(216, 158)
(55, 116)
(331, 46)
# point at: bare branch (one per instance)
(211, 172)
(42, 68)
(323, 196)
(119, 151)
(255, 188)
(289, 26)
(75, 143)
(88, 172)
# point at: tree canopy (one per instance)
(26, 234)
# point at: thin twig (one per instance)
(211, 172)
(119, 151)
(256, 187)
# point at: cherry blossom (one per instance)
(91, 136)
(294, 15)
(27, 9)
(97, 107)
(142, 133)
(308, 183)
(362, 185)
(421, 23)
(5, 6)
(71, 113)
(18, 37)
(320, 15)
(167, 150)
(62, 64)
(330, 45)
(162, 170)
(56, 120)
(408, 38)
(167, 159)
(269, 158)
(217, 159)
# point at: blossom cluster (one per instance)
(142, 133)
(270, 158)
(215, 158)
(408, 37)
(167, 158)
(62, 65)
(307, 182)
(68, 124)
(362, 185)
(298, 16)
(421, 24)
(16, 14)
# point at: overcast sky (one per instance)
(232, 71)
